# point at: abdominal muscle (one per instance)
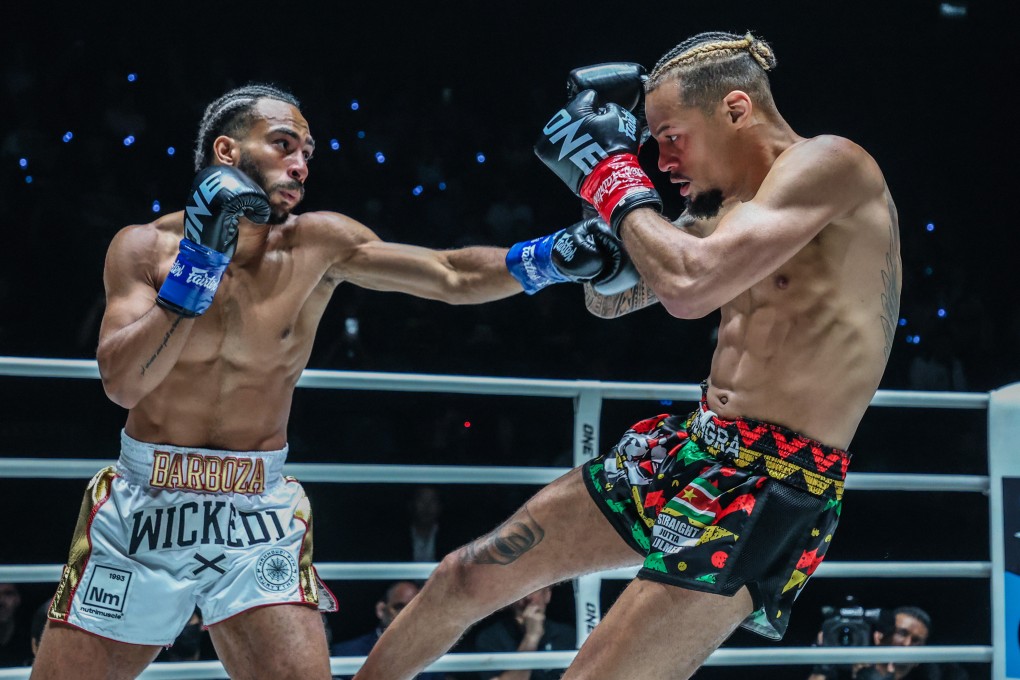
(812, 368)
(217, 406)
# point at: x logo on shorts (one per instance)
(209, 564)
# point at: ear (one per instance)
(380, 609)
(225, 150)
(738, 107)
(877, 637)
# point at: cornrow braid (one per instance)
(232, 114)
(712, 64)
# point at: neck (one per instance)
(252, 240)
(767, 139)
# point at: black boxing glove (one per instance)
(618, 272)
(593, 148)
(578, 253)
(622, 83)
(220, 196)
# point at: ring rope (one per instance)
(531, 387)
(528, 660)
(420, 571)
(356, 473)
(587, 395)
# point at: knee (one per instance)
(465, 584)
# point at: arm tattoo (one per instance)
(891, 281)
(162, 345)
(612, 306)
(506, 543)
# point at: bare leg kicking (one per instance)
(558, 534)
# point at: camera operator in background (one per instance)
(905, 626)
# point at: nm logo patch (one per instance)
(107, 589)
(276, 570)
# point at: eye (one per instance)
(671, 138)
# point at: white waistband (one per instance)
(205, 470)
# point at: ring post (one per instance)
(1004, 509)
(587, 588)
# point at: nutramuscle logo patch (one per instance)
(106, 592)
(276, 570)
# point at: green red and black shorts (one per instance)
(715, 505)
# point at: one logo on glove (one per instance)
(201, 199)
(584, 157)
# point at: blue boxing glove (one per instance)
(220, 196)
(584, 252)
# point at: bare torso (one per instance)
(232, 386)
(225, 379)
(807, 346)
(805, 270)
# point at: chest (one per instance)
(260, 312)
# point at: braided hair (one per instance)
(232, 115)
(711, 65)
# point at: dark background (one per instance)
(925, 93)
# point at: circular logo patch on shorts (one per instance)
(276, 570)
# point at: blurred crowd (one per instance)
(95, 138)
(85, 151)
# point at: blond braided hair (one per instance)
(710, 65)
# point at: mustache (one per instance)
(293, 185)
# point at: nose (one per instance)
(667, 161)
(298, 169)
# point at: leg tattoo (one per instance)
(510, 540)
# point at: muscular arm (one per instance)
(139, 342)
(462, 276)
(810, 185)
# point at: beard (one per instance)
(276, 215)
(706, 204)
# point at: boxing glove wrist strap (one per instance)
(616, 186)
(193, 279)
(530, 262)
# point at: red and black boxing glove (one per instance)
(592, 146)
(623, 83)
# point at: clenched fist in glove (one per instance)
(220, 196)
(592, 146)
(585, 252)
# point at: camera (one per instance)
(849, 625)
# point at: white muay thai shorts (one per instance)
(170, 528)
